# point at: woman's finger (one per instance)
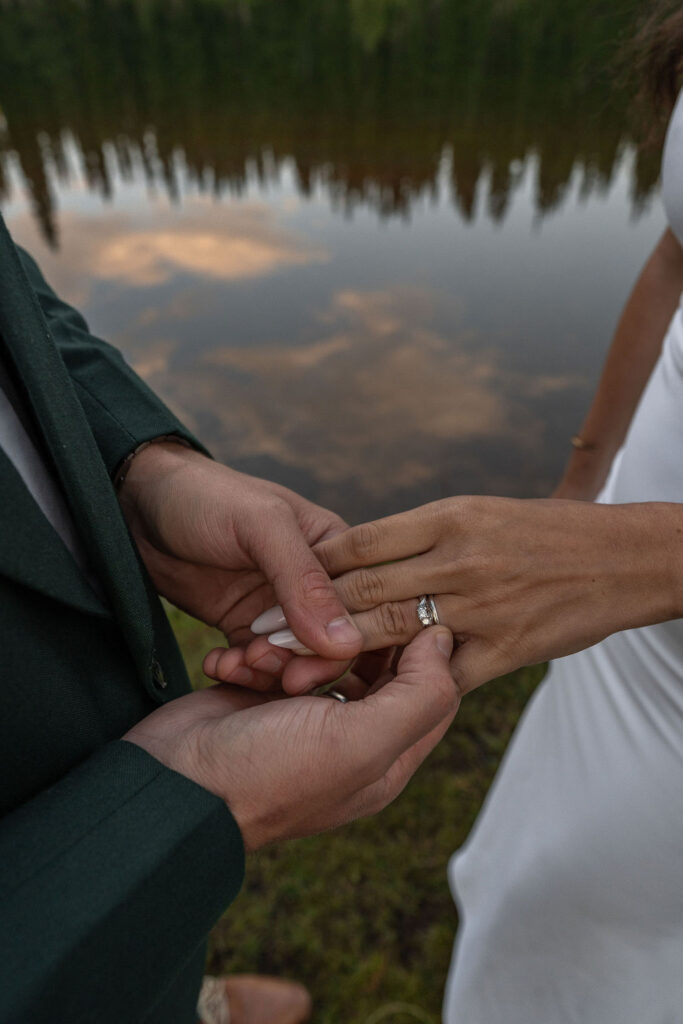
(390, 625)
(263, 657)
(396, 622)
(370, 672)
(393, 624)
(221, 662)
(366, 588)
(372, 666)
(301, 675)
(228, 665)
(305, 674)
(400, 536)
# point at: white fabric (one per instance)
(213, 1006)
(570, 887)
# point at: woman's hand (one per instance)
(518, 582)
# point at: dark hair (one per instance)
(659, 50)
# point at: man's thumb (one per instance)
(434, 644)
(316, 617)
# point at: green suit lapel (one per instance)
(32, 553)
(76, 458)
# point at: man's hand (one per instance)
(224, 546)
(294, 767)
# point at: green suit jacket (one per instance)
(112, 867)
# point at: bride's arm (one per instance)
(633, 353)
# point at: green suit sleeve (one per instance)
(121, 410)
(109, 882)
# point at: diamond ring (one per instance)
(426, 611)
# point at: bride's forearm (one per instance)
(654, 573)
(633, 353)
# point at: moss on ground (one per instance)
(363, 915)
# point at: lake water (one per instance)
(378, 265)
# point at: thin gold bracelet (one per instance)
(583, 446)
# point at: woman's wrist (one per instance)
(672, 556)
(652, 551)
(584, 475)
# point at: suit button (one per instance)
(158, 675)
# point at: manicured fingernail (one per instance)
(270, 620)
(285, 638)
(342, 631)
(444, 642)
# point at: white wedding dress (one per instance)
(570, 887)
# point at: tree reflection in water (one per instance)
(365, 96)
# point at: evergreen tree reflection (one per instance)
(364, 96)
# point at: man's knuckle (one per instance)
(266, 516)
(271, 507)
(465, 511)
(393, 620)
(364, 542)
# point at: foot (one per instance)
(253, 999)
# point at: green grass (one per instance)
(363, 915)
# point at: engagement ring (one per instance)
(426, 611)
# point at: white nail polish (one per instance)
(285, 638)
(269, 620)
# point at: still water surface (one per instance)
(374, 306)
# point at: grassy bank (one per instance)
(363, 915)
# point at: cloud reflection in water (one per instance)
(378, 406)
(242, 241)
(246, 244)
(307, 357)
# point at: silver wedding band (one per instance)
(426, 611)
(336, 695)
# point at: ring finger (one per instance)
(396, 622)
(369, 587)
